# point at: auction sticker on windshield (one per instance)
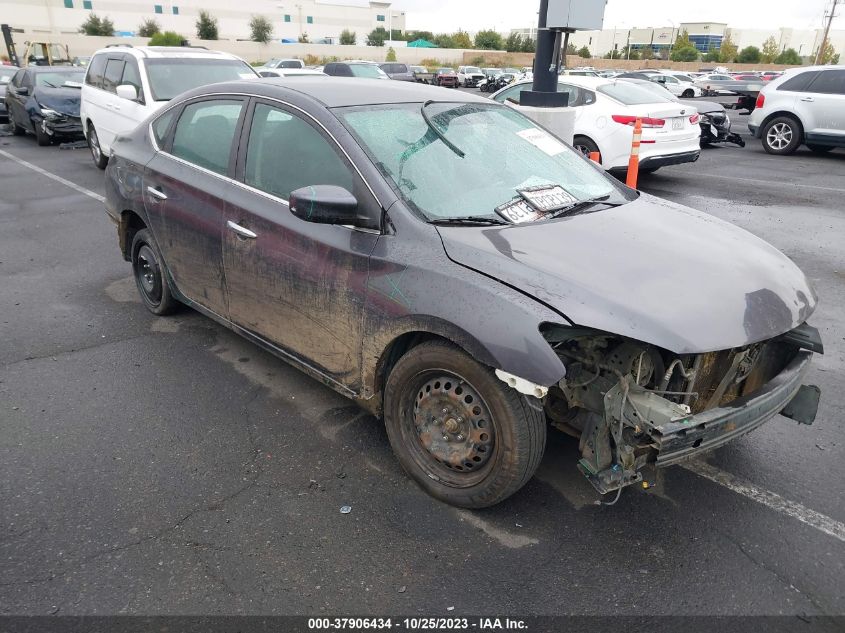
(518, 211)
(546, 198)
(543, 141)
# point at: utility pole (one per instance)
(826, 32)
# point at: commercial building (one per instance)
(704, 35)
(290, 18)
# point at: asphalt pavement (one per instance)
(167, 466)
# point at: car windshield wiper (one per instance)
(48, 84)
(439, 134)
(470, 221)
(584, 204)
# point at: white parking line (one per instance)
(821, 522)
(760, 181)
(48, 174)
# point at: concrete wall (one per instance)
(253, 51)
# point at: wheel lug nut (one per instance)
(460, 437)
(445, 410)
(446, 438)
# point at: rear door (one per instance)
(824, 103)
(109, 121)
(298, 285)
(186, 186)
(16, 101)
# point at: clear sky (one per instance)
(502, 15)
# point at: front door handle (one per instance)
(241, 231)
(157, 193)
(808, 99)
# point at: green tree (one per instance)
(168, 38)
(444, 40)
(420, 35)
(377, 37)
(260, 28)
(584, 52)
(303, 38)
(347, 37)
(630, 53)
(391, 55)
(749, 55)
(396, 35)
(148, 28)
(770, 50)
(728, 50)
(829, 55)
(571, 50)
(513, 43)
(489, 40)
(647, 53)
(712, 55)
(684, 54)
(529, 45)
(206, 26)
(95, 25)
(461, 39)
(789, 57)
(683, 40)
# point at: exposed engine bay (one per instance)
(632, 404)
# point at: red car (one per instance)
(446, 77)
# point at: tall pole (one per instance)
(826, 32)
(544, 77)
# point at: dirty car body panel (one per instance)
(649, 330)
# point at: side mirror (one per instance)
(327, 204)
(127, 91)
(23, 91)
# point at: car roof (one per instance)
(55, 69)
(161, 52)
(337, 92)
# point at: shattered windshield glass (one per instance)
(463, 160)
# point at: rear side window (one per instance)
(113, 74)
(800, 82)
(204, 134)
(95, 71)
(285, 153)
(829, 82)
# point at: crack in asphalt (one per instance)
(77, 349)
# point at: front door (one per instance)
(185, 189)
(299, 285)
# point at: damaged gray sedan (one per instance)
(463, 274)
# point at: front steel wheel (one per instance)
(463, 435)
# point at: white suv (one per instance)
(804, 106)
(125, 84)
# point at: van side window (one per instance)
(113, 74)
(94, 76)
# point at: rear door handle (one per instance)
(809, 99)
(241, 231)
(157, 193)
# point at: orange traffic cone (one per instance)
(634, 161)
(595, 157)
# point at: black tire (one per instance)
(782, 135)
(819, 149)
(41, 136)
(147, 268)
(100, 159)
(688, 94)
(488, 442)
(586, 146)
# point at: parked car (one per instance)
(398, 71)
(125, 84)
(705, 80)
(421, 74)
(288, 72)
(470, 76)
(283, 63)
(362, 69)
(337, 258)
(605, 112)
(768, 75)
(446, 77)
(672, 83)
(44, 100)
(6, 74)
(806, 106)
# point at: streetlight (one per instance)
(672, 38)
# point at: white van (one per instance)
(125, 84)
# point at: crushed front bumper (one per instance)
(65, 126)
(683, 439)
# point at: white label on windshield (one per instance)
(542, 141)
(548, 198)
(518, 211)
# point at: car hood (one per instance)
(650, 270)
(63, 100)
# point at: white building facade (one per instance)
(290, 18)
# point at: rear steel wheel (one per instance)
(149, 275)
(100, 159)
